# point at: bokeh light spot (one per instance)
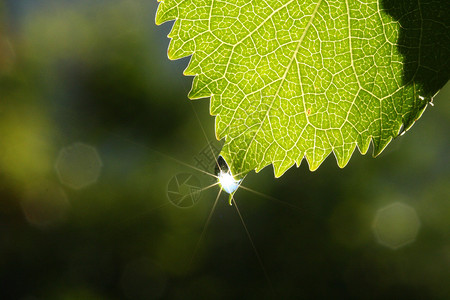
(396, 225)
(78, 165)
(45, 204)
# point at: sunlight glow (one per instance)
(227, 182)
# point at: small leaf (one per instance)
(300, 79)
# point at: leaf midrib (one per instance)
(316, 8)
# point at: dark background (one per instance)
(93, 118)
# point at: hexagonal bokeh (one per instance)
(78, 165)
(396, 225)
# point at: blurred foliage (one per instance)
(96, 72)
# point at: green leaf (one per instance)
(300, 79)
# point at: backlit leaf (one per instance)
(300, 79)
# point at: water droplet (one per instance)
(401, 131)
(226, 180)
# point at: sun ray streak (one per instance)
(183, 163)
(203, 231)
(254, 248)
(280, 201)
(197, 191)
(204, 133)
(123, 223)
(270, 197)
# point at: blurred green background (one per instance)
(94, 122)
